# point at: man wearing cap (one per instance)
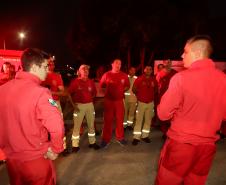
(31, 126)
(115, 83)
(82, 91)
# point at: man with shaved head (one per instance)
(196, 48)
(196, 104)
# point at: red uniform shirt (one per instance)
(115, 84)
(82, 91)
(196, 103)
(27, 116)
(4, 77)
(53, 81)
(2, 155)
(145, 88)
(163, 80)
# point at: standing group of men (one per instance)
(127, 98)
(32, 133)
(115, 83)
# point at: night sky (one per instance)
(97, 31)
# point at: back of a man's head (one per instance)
(203, 43)
(32, 56)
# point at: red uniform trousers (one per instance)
(184, 163)
(113, 108)
(35, 172)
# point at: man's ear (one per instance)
(33, 68)
(198, 54)
(198, 50)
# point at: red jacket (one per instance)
(115, 84)
(196, 103)
(82, 91)
(145, 88)
(53, 81)
(2, 155)
(4, 77)
(28, 114)
(164, 80)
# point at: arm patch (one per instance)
(52, 102)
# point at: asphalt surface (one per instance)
(119, 165)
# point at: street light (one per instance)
(21, 36)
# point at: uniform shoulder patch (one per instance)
(52, 102)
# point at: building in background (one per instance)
(11, 56)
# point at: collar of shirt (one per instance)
(28, 76)
(203, 63)
(146, 77)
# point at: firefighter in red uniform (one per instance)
(116, 83)
(4, 77)
(196, 104)
(163, 79)
(54, 82)
(130, 101)
(82, 91)
(5, 73)
(29, 116)
(143, 87)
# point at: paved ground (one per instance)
(117, 165)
